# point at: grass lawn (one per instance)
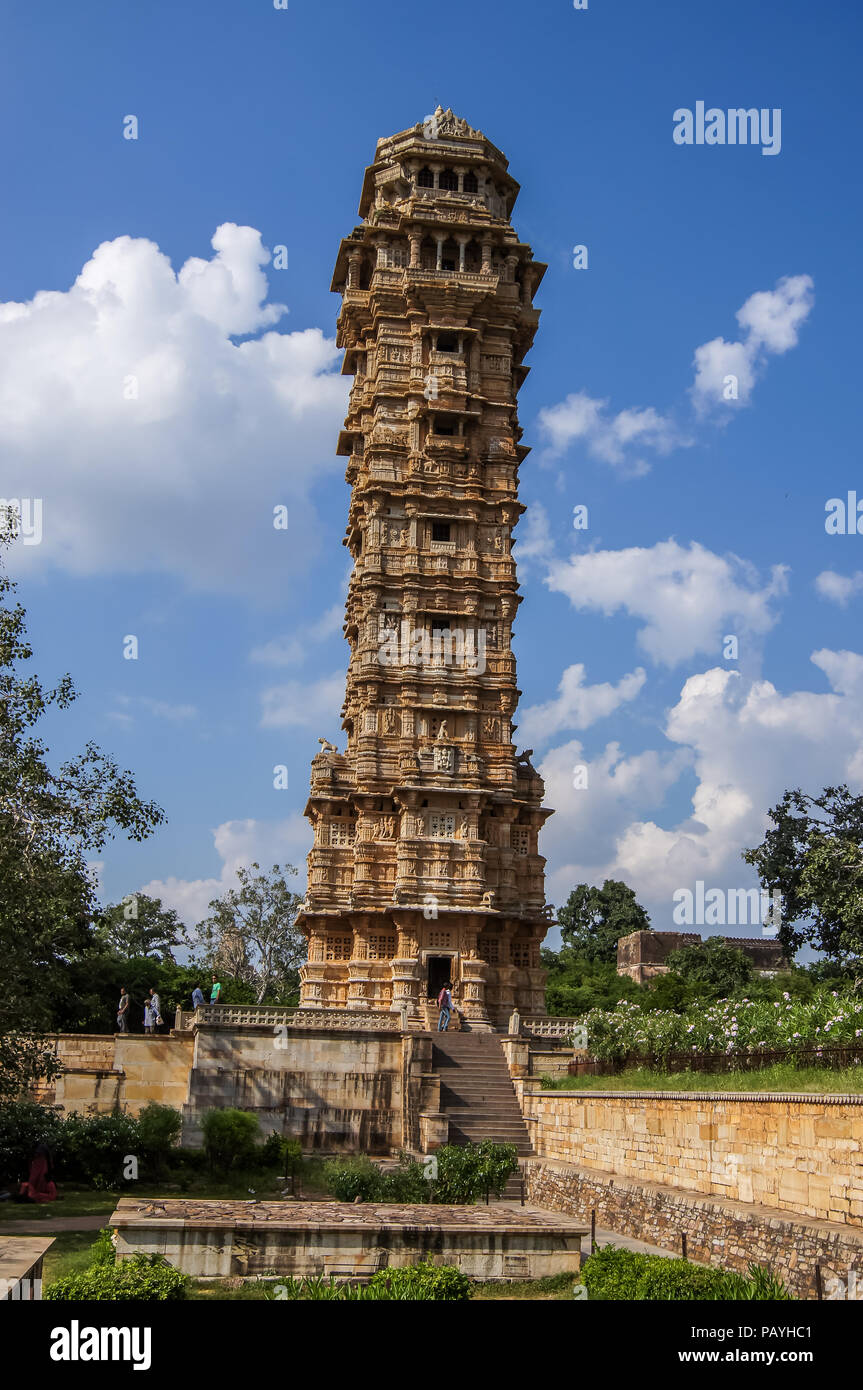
(75, 1201)
(70, 1254)
(779, 1077)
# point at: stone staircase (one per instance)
(477, 1094)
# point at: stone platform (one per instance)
(209, 1239)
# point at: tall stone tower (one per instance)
(425, 864)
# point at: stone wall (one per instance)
(350, 1089)
(727, 1234)
(125, 1071)
(788, 1152)
(331, 1090)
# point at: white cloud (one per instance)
(613, 439)
(771, 320)
(159, 709)
(183, 478)
(839, 588)
(238, 843)
(686, 598)
(304, 704)
(577, 705)
(292, 649)
(746, 743)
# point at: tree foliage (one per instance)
(723, 969)
(140, 926)
(593, 919)
(252, 933)
(51, 820)
(813, 855)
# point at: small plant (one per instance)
(466, 1172)
(229, 1138)
(439, 1283)
(350, 1178)
(102, 1250)
(141, 1278)
(159, 1129)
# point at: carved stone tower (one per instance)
(425, 864)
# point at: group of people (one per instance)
(153, 1009)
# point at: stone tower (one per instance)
(425, 864)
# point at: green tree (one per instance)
(721, 968)
(252, 933)
(577, 983)
(593, 919)
(812, 855)
(50, 822)
(140, 926)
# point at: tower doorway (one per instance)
(439, 974)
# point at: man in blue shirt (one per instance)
(197, 997)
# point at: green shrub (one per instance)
(23, 1125)
(229, 1138)
(440, 1283)
(141, 1278)
(350, 1178)
(159, 1129)
(611, 1273)
(466, 1172)
(286, 1155)
(406, 1184)
(93, 1147)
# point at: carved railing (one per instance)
(545, 1026)
(274, 1015)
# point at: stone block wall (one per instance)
(790, 1153)
(730, 1235)
(345, 1090)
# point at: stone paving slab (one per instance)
(177, 1212)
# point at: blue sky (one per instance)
(706, 516)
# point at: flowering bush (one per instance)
(733, 1026)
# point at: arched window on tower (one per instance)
(473, 256)
(448, 180)
(428, 254)
(469, 183)
(425, 178)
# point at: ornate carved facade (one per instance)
(425, 863)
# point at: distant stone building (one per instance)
(642, 954)
(425, 866)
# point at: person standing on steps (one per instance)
(444, 1003)
(215, 991)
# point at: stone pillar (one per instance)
(473, 977)
(486, 257)
(440, 241)
(462, 248)
(354, 260)
(416, 249)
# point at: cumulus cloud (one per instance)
(157, 442)
(237, 843)
(687, 598)
(578, 705)
(745, 742)
(616, 439)
(771, 322)
(839, 588)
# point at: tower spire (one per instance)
(425, 863)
